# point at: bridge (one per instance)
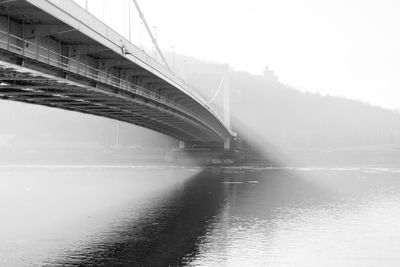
(54, 53)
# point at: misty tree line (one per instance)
(273, 114)
(289, 118)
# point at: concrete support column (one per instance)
(181, 144)
(227, 144)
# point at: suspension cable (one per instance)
(150, 33)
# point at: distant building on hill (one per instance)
(5, 140)
(269, 75)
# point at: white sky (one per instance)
(349, 48)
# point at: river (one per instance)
(174, 216)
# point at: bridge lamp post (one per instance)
(156, 38)
(141, 35)
(129, 20)
(104, 10)
(173, 58)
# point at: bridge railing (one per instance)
(144, 56)
(45, 55)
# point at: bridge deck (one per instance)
(44, 60)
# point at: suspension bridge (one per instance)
(55, 53)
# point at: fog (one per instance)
(269, 117)
(282, 121)
(32, 133)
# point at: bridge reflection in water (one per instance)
(158, 216)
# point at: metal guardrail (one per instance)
(187, 87)
(45, 55)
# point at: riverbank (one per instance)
(389, 156)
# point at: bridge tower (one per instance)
(227, 104)
(224, 88)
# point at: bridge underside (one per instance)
(26, 85)
(47, 62)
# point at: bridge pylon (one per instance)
(227, 105)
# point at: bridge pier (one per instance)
(181, 144)
(208, 153)
(227, 144)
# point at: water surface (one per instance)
(160, 216)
